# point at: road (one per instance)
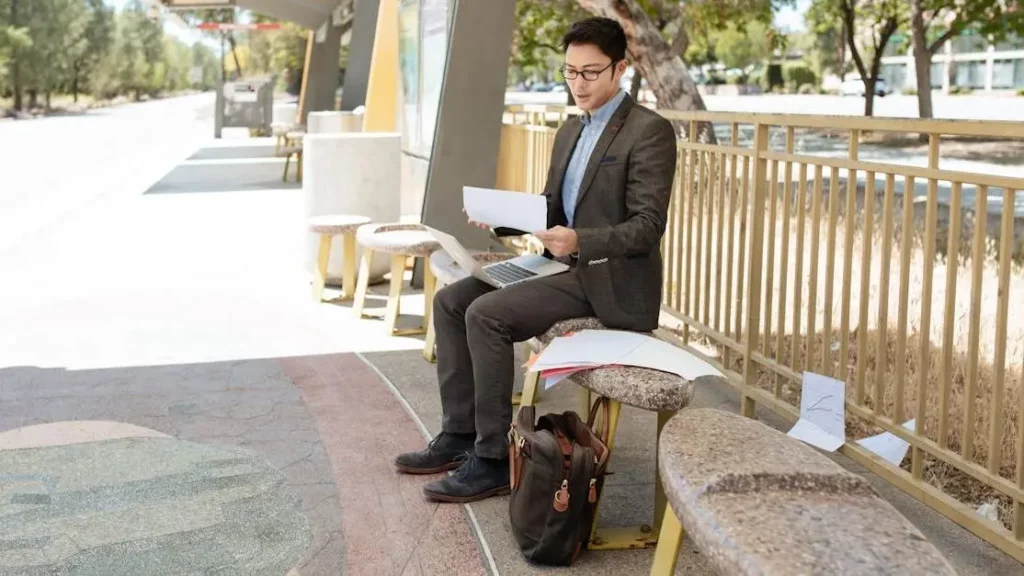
(967, 107)
(52, 167)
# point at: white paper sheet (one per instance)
(810, 433)
(552, 380)
(822, 420)
(889, 446)
(595, 348)
(661, 355)
(502, 208)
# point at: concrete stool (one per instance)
(327, 227)
(755, 501)
(401, 241)
(447, 271)
(292, 147)
(644, 388)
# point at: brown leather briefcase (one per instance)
(557, 471)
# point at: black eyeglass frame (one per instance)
(589, 75)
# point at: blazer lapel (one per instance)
(610, 131)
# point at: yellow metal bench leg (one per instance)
(528, 397)
(618, 538)
(323, 256)
(395, 294)
(363, 284)
(670, 540)
(348, 254)
(429, 290)
(429, 343)
(298, 167)
(287, 161)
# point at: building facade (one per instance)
(968, 61)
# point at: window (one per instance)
(970, 74)
(1002, 74)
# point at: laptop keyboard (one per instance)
(507, 273)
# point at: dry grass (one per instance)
(712, 296)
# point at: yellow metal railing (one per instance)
(773, 269)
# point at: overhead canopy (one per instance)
(308, 13)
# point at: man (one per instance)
(608, 193)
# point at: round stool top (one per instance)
(397, 238)
(336, 223)
(447, 271)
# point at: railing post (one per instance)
(747, 404)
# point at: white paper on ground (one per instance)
(809, 432)
(822, 420)
(503, 208)
(889, 446)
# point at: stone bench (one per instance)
(755, 501)
(644, 388)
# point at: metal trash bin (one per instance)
(245, 104)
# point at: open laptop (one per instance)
(500, 274)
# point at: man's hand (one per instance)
(479, 225)
(560, 241)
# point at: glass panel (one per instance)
(938, 72)
(434, 34)
(970, 74)
(409, 70)
(1002, 74)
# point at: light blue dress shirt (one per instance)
(593, 125)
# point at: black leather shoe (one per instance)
(476, 479)
(443, 453)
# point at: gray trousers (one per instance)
(476, 326)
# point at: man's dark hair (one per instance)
(605, 33)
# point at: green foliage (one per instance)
(736, 48)
(798, 75)
(1020, 92)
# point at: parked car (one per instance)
(854, 86)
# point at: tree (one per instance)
(743, 49)
(880, 18)
(653, 57)
(91, 43)
(992, 19)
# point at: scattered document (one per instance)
(822, 420)
(589, 349)
(889, 446)
(503, 208)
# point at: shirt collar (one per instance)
(604, 113)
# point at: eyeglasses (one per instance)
(588, 75)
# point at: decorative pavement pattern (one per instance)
(249, 467)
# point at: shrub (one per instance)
(1020, 92)
(807, 89)
(799, 74)
(910, 91)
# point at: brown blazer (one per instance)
(621, 212)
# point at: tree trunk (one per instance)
(653, 58)
(869, 95)
(234, 54)
(15, 64)
(922, 61)
(634, 87)
(49, 93)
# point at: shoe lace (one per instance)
(468, 463)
